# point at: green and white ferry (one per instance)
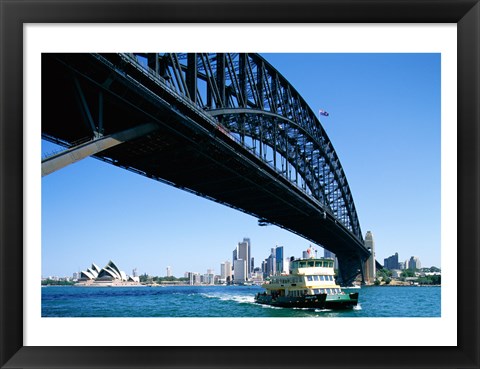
(310, 284)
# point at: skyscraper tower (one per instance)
(331, 255)
(414, 263)
(370, 272)
(250, 258)
(243, 253)
(240, 271)
(234, 256)
(279, 267)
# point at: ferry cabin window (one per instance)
(322, 277)
(318, 264)
(310, 278)
(303, 264)
(311, 264)
(316, 278)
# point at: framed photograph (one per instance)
(45, 43)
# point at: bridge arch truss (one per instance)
(254, 104)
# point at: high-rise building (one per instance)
(286, 265)
(239, 271)
(279, 263)
(391, 262)
(270, 264)
(226, 271)
(370, 272)
(169, 271)
(223, 271)
(193, 278)
(234, 256)
(209, 277)
(331, 255)
(243, 252)
(250, 265)
(414, 263)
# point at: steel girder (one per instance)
(254, 104)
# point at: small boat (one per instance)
(310, 284)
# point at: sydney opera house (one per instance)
(110, 275)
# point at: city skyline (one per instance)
(94, 211)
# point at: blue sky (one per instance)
(384, 124)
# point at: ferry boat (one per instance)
(310, 284)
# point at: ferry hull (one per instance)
(319, 301)
(305, 302)
(341, 302)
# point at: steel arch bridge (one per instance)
(250, 140)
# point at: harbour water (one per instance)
(225, 301)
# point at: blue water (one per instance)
(225, 301)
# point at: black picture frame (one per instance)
(14, 13)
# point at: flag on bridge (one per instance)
(324, 113)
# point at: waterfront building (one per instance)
(226, 272)
(111, 272)
(169, 271)
(90, 274)
(257, 277)
(209, 277)
(401, 265)
(134, 272)
(391, 262)
(108, 275)
(370, 271)
(194, 278)
(223, 272)
(239, 271)
(396, 273)
(414, 263)
(133, 278)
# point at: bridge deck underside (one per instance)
(184, 151)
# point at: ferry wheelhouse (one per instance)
(310, 284)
